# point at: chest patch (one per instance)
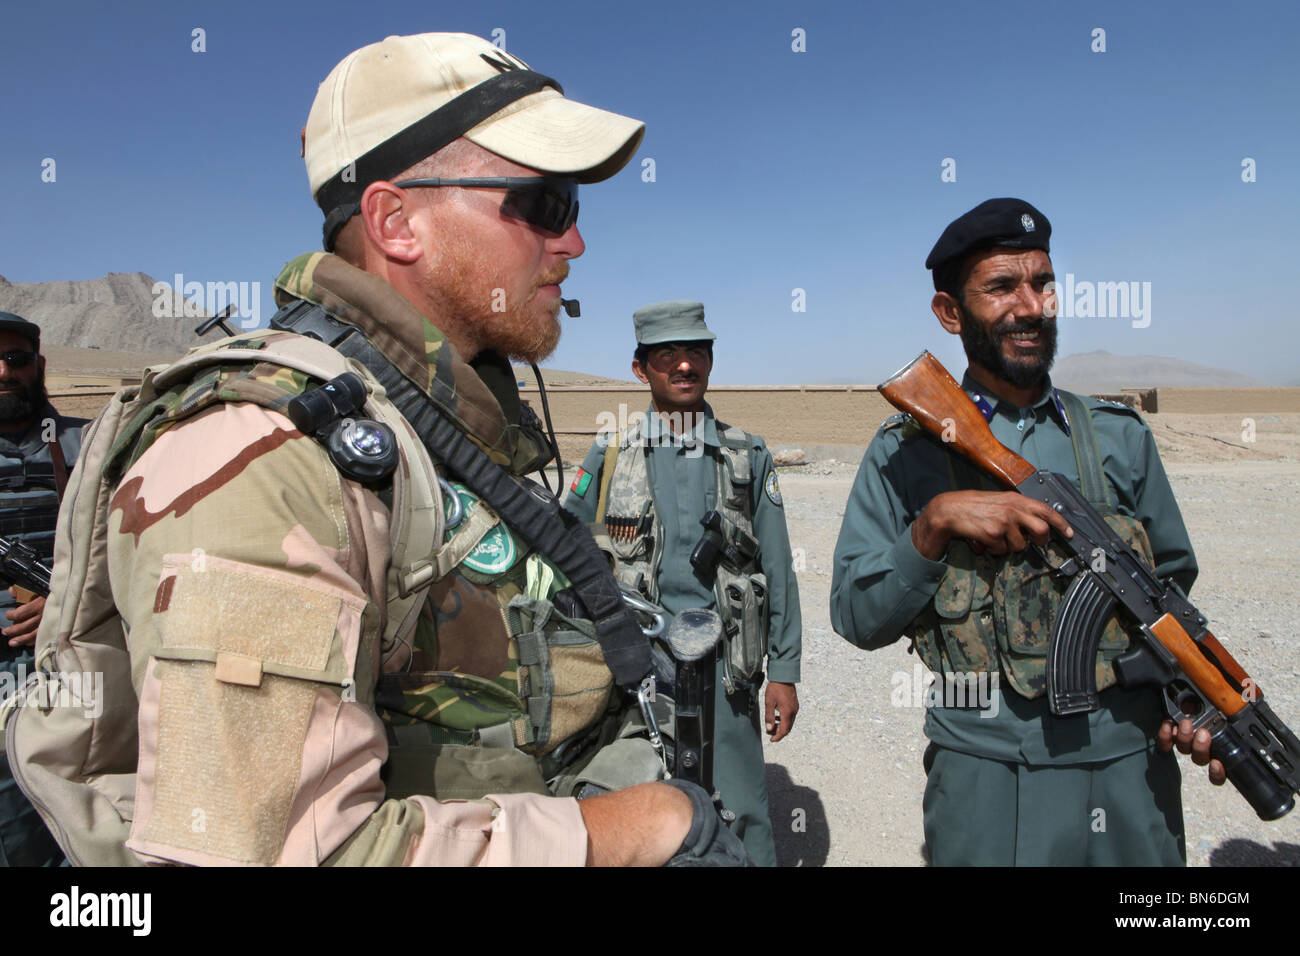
(772, 489)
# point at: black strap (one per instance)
(1087, 453)
(527, 508)
(339, 198)
(60, 466)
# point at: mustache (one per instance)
(1012, 328)
(556, 276)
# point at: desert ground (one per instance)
(846, 785)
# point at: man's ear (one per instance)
(948, 311)
(639, 371)
(40, 361)
(386, 214)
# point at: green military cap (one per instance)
(681, 320)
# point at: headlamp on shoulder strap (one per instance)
(362, 449)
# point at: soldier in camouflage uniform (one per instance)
(257, 578)
(929, 550)
(38, 447)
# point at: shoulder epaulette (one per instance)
(1107, 405)
(731, 437)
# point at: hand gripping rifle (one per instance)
(22, 567)
(1172, 647)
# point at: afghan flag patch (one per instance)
(581, 482)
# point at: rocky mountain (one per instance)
(122, 311)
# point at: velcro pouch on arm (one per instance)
(238, 707)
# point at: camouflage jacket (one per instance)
(253, 579)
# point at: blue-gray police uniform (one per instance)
(29, 506)
(684, 488)
(1013, 784)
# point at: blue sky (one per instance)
(774, 170)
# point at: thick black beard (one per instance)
(985, 349)
(21, 407)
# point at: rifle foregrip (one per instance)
(926, 391)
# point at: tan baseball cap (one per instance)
(389, 105)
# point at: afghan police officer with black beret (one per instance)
(927, 551)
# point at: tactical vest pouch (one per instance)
(633, 543)
(449, 772)
(1026, 599)
(745, 631)
(955, 631)
(994, 613)
(562, 672)
(626, 760)
(741, 593)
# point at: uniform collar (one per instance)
(990, 404)
(706, 428)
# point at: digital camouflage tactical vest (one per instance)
(627, 509)
(995, 613)
(30, 486)
(29, 500)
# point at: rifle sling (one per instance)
(60, 466)
(526, 508)
(1087, 458)
(1087, 453)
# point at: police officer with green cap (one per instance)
(650, 485)
(928, 550)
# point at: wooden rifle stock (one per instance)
(926, 391)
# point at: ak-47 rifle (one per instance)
(1172, 647)
(22, 567)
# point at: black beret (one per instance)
(16, 323)
(994, 222)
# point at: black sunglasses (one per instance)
(548, 202)
(18, 358)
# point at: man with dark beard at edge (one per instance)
(930, 550)
(38, 448)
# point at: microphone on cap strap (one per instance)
(571, 308)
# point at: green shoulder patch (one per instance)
(497, 551)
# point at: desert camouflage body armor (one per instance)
(629, 514)
(479, 678)
(476, 654)
(996, 612)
